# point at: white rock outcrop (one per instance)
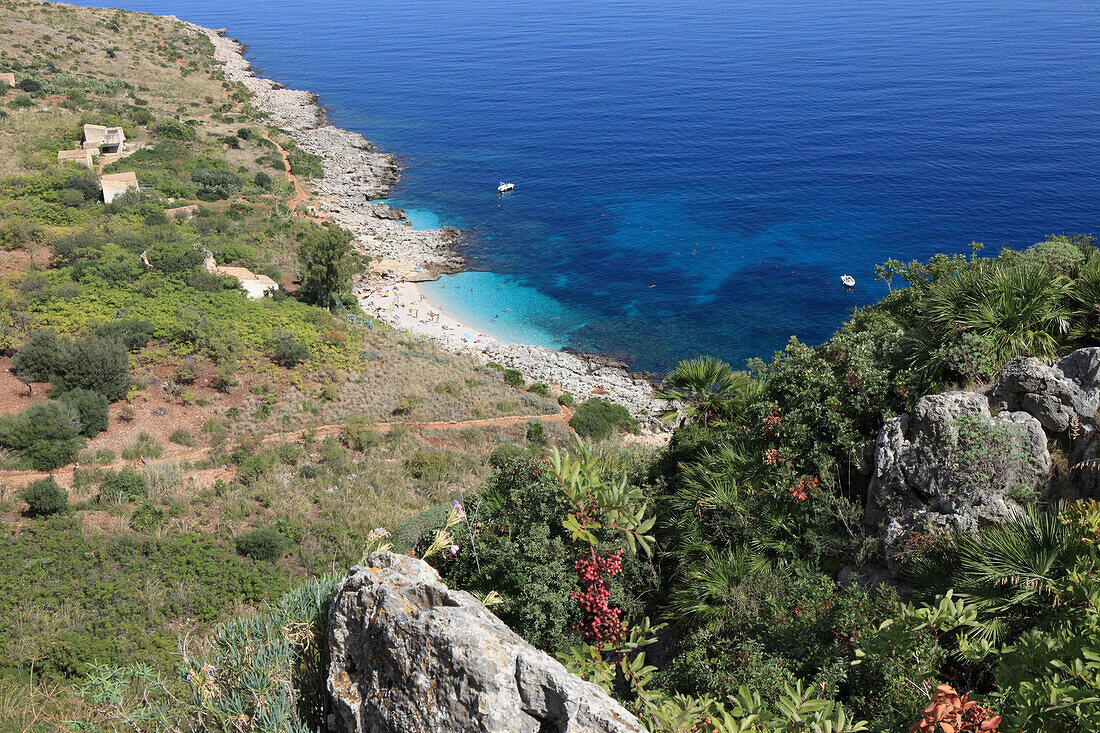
(410, 655)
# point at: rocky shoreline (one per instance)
(357, 173)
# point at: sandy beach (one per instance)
(403, 306)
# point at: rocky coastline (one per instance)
(355, 175)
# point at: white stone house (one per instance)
(115, 184)
(104, 139)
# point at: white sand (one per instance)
(404, 306)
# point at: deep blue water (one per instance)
(695, 176)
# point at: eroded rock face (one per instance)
(409, 654)
(1059, 396)
(950, 464)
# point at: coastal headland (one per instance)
(356, 175)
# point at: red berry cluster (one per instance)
(802, 490)
(604, 623)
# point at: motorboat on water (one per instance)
(505, 187)
(847, 281)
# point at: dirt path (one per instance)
(64, 476)
(300, 194)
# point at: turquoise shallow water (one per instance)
(694, 176)
(503, 307)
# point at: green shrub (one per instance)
(596, 419)
(506, 452)
(536, 432)
(289, 352)
(182, 437)
(147, 517)
(540, 389)
(263, 544)
(565, 399)
(215, 183)
(39, 359)
(360, 434)
(429, 466)
(123, 485)
(262, 180)
(91, 410)
(44, 497)
(47, 434)
(173, 130)
(174, 257)
(513, 377)
(407, 404)
(96, 364)
(133, 333)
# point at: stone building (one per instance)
(80, 155)
(115, 184)
(104, 139)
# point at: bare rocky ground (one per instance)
(357, 173)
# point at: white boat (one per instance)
(847, 281)
(505, 187)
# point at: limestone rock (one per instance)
(950, 465)
(408, 654)
(1058, 395)
(384, 211)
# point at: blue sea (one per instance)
(694, 177)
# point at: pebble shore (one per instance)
(357, 173)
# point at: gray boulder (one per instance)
(408, 654)
(385, 211)
(949, 465)
(1059, 396)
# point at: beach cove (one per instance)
(401, 257)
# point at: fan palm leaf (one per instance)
(708, 389)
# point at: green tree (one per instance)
(97, 364)
(39, 358)
(327, 264)
(91, 410)
(47, 434)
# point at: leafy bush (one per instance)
(360, 434)
(96, 364)
(596, 419)
(264, 544)
(39, 359)
(47, 434)
(536, 432)
(133, 333)
(147, 517)
(174, 257)
(123, 485)
(540, 389)
(513, 377)
(565, 399)
(182, 437)
(216, 183)
(173, 130)
(429, 466)
(44, 497)
(91, 410)
(262, 180)
(289, 352)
